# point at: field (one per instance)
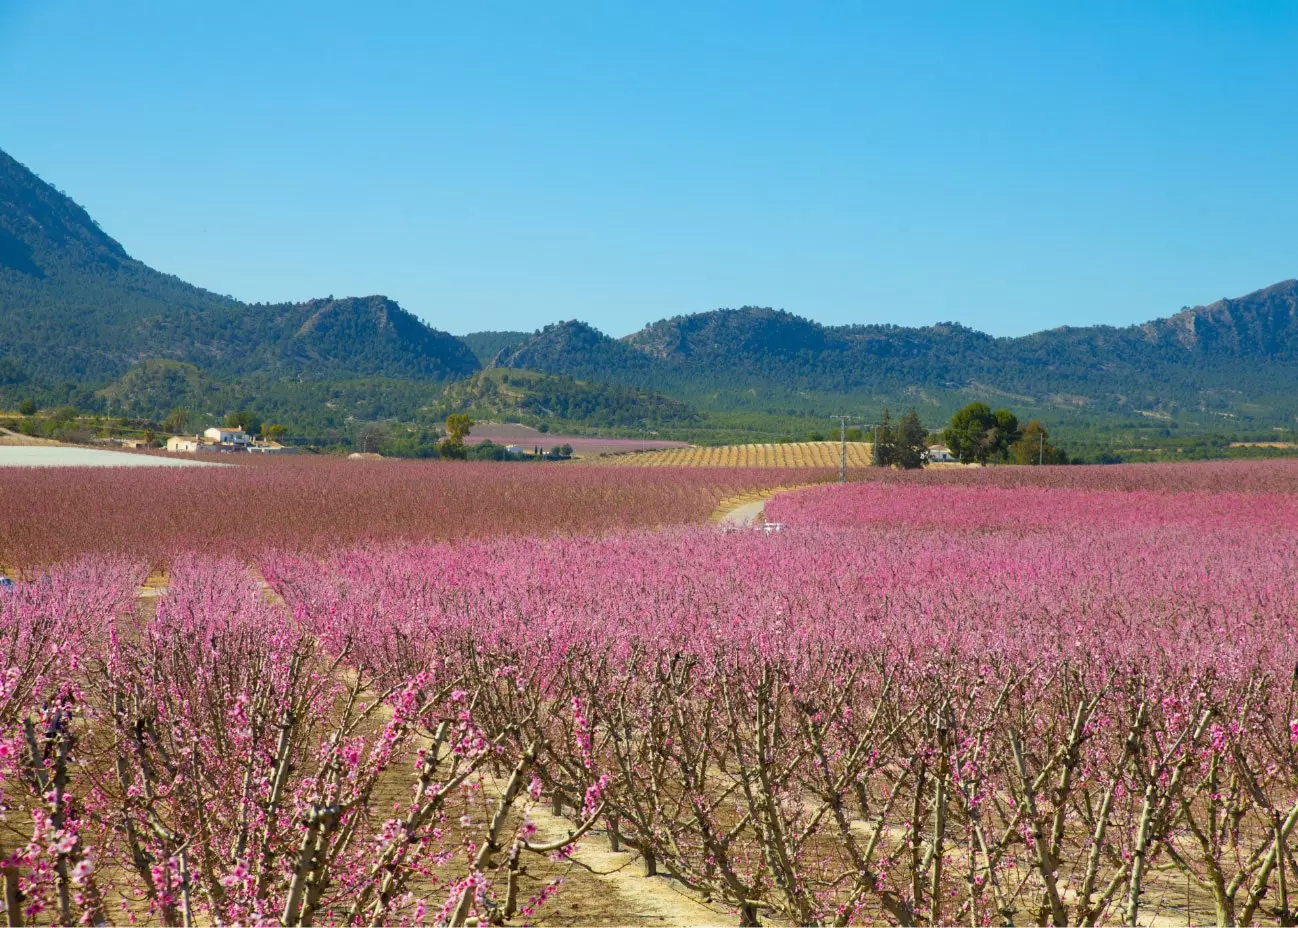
(584, 445)
(48, 515)
(1011, 695)
(791, 454)
(50, 454)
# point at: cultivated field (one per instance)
(584, 445)
(1013, 695)
(793, 454)
(322, 504)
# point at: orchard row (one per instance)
(918, 704)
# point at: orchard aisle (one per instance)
(606, 887)
(746, 509)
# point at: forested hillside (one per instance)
(487, 346)
(1235, 359)
(526, 396)
(83, 323)
(74, 306)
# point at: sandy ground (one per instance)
(17, 439)
(55, 455)
(746, 509)
(745, 513)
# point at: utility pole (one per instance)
(842, 436)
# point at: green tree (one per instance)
(884, 452)
(452, 450)
(1033, 447)
(457, 427)
(274, 432)
(910, 442)
(65, 414)
(244, 419)
(1005, 433)
(977, 435)
(28, 408)
(177, 420)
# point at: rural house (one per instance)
(183, 444)
(229, 439)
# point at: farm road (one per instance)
(746, 510)
(744, 514)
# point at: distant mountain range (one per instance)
(1234, 358)
(80, 319)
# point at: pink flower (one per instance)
(81, 872)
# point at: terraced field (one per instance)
(794, 454)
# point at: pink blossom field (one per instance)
(1055, 695)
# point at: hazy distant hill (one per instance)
(75, 306)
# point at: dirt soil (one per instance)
(11, 438)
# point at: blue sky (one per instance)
(504, 165)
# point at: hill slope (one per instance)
(1234, 359)
(487, 346)
(522, 395)
(75, 306)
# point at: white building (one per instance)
(270, 447)
(183, 444)
(229, 438)
(941, 454)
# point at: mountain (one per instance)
(83, 322)
(1232, 359)
(487, 346)
(576, 349)
(75, 306)
(1261, 325)
(370, 336)
(512, 395)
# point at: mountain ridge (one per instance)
(75, 305)
(76, 309)
(1191, 359)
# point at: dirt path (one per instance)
(746, 509)
(604, 887)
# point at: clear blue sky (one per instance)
(505, 165)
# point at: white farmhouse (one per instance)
(940, 454)
(229, 438)
(185, 445)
